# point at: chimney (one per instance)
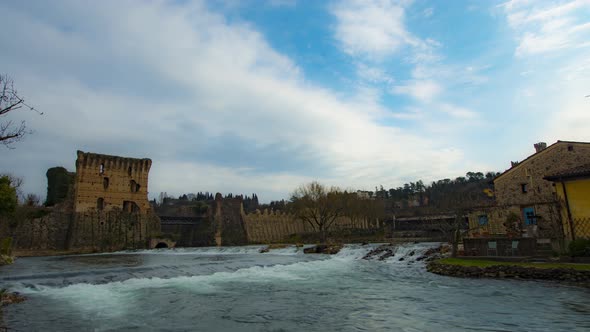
(540, 146)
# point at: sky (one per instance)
(255, 96)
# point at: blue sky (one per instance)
(262, 96)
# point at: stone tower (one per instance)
(107, 183)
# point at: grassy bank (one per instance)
(488, 263)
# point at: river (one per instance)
(240, 289)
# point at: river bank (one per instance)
(570, 273)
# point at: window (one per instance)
(129, 170)
(100, 203)
(570, 148)
(529, 216)
(105, 183)
(134, 186)
(524, 188)
(101, 169)
(483, 219)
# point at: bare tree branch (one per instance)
(10, 101)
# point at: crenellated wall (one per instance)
(276, 226)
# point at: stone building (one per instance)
(525, 202)
(106, 182)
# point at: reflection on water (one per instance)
(238, 288)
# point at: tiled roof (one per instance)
(575, 172)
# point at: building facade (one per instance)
(525, 202)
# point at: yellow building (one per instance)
(572, 187)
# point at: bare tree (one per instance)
(317, 205)
(11, 132)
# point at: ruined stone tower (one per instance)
(109, 183)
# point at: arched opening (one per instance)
(130, 206)
(161, 245)
(105, 183)
(101, 169)
(129, 170)
(100, 203)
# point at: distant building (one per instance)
(522, 194)
(572, 187)
(363, 194)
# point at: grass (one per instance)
(486, 263)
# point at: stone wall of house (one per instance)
(548, 225)
(524, 186)
(558, 157)
(106, 183)
(496, 219)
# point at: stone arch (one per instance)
(161, 245)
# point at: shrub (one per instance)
(580, 248)
(6, 246)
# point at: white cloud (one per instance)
(422, 90)
(371, 28)
(458, 112)
(553, 52)
(114, 82)
(373, 74)
(543, 27)
(428, 12)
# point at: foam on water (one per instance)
(112, 299)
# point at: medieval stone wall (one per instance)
(276, 226)
(49, 232)
(86, 231)
(109, 182)
(229, 222)
(199, 233)
(112, 230)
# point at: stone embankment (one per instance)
(567, 275)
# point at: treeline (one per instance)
(473, 189)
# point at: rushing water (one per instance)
(240, 289)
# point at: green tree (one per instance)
(8, 198)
